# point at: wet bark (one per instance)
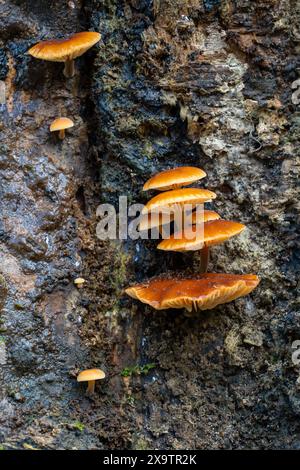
(205, 83)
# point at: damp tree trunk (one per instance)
(182, 82)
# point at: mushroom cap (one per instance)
(218, 231)
(207, 216)
(79, 280)
(170, 179)
(178, 198)
(214, 232)
(61, 50)
(61, 123)
(153, 219)
(90, 374)
(204, 292)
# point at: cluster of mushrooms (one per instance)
(205, 290)
(66, 50)
(201, 292)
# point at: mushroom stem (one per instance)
(190, 314)
(61, 134)
(69, 70)
(204, 259)
(91, 386)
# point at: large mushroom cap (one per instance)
(61, 50)
(175, 178)
(178, 198)
(204, 292)
(214, 232)
(61, 124)
(90, 374)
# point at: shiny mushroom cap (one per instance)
(204, 292)
(207, 216)
(177, 199)
(214, 232)
(90, 374)
(218, 231)
(60, 124)
(61, 50)
(175, 178)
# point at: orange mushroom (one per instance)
(155, 220)
(178, 199)
(207, 216)
(79, 282)
(65, 50)
(204, 292)
(60, 125)
(90, 376)
(175, 178)
(195, 218)
(214, 232)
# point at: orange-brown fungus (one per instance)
(207, 216)
(204, 292)
(61, 124)
(177, 199)
(214, 232)
(65, 50)
(175, 178)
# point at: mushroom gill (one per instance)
(203, 292)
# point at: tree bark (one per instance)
(205, 83)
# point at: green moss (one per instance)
(141, 444)
(119, 274)
(148, 150)
(3, 290)
(130, 400)
(3, 284)
(29, 446)
(78, 426)
(137, 370)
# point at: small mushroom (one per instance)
(90, 376)
(60, 124)
(65, 50)
(175, 178)
(177, 199)
(214, 233)
(204, 292)
(79, 281)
